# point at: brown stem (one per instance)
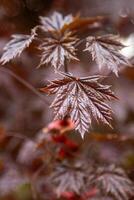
(25, 83)
(80, 42)
(66, 66)
(17, 135)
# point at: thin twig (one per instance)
(65, 66)
(80, 42)
(25, 83)
(18, 136)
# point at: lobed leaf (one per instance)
(16, 45)
(105, 51)
(58, 23)
(82, 99)
(113, 181)
(55, 22)
(68, 179)
(56, 50)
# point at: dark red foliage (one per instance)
(41, 157)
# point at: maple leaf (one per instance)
(16, 45)
(113, 181)
(55, 50)
(58, 23)
(55, 22)
(82, 99)
(105, 51)
(68, 179)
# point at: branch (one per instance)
(25, 83)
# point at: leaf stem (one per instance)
(80, 42)
(66, 66)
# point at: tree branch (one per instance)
(25, 83)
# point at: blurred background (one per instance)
(24, 111)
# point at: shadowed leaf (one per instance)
(68, 179)
(114, 182)
(55, 50)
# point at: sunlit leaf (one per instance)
(105, 51)
(55, 22)
(82, 99)
(16, 45)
